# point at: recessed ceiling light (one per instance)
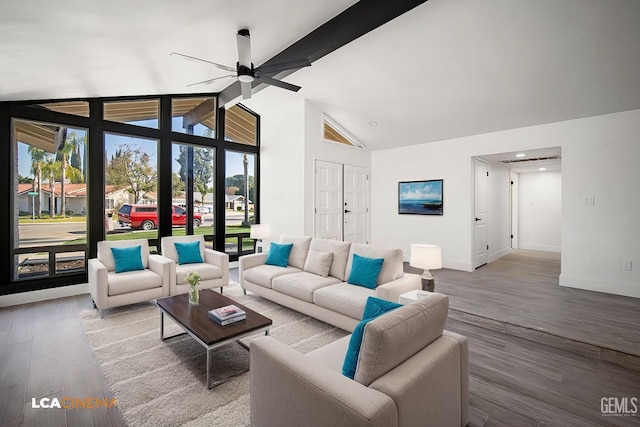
(542, 169)
(373, 123)
(520, 155)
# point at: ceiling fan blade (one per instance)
(244, 48)
(210, 80)
(279, 83)
(193, 58)
(245, 87)
(281, 66)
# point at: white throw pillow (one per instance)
(318, 263)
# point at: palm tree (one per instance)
(38, 156)
(68, 148)
(51, 168)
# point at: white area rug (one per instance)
(162, 383)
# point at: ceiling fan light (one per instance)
(245, 78)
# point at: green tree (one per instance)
(238, 182)
(131, 169)
(178, 185)
(50, 169)
(69, 146)
(202, 169)
(38, 156)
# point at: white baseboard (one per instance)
(600, 286)
(43, 295)
(455, 265)
(497, 255)
(534, 247)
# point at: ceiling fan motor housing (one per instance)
(245, 74)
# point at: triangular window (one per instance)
(334, 133)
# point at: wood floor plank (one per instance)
(14, 371)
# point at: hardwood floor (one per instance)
(519, 294)
(514, 381)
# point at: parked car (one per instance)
(145, 217)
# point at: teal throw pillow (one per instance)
(188, 253)
(365, 271)
(374, 308)
(128, 258)
(279, 254)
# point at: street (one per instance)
(56, 233)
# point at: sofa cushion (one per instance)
(375, 307)
(391, 339)
(392, 268)
(127, 259)
(132, 281)
(188, 253)
(332, 354)
(343, 298)
(167, 244)
(279, 254)
(263, 274)
(340, 252)
(205, 271)
(302, 285)
(299, 250)
(106, 257)
(318, 263)
(365, 271)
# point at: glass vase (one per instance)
(194, 295)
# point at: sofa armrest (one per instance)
(166, 268)
(246, 262)
(391, 291)
(220, 260)
(464, 373)
(288, 388)
(98, 283)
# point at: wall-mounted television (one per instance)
(420, 197)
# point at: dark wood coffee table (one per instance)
(196, 322)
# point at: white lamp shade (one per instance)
(260, 231)
(428, 257)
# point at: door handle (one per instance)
(478, 219)
(346, 211)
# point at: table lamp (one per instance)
(259, 232)
(428, 257)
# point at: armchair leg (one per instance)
(245, 291)
(94, 304)
(221, 289)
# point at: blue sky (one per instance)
(113, 141)
(421, 190)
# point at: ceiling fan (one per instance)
(246, 73)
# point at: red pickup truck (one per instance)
(145, 217)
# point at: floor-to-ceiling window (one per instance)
(81, 171)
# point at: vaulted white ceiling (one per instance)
(446, 69)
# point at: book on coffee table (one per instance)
(227, 312)
(227, 321)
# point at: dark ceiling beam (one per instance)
(356, 21)
(199, 113)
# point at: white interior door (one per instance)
(328, 200)
(481, 247)
(356, 204)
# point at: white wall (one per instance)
(600, 157)
(290, 142)
(539, 211)
(499, 211)
(282, 166)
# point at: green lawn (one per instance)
(28, 220)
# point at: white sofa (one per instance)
(213, 272)
(409, 373)
(330, 299)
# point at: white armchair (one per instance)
(214, 271)
(109, 289)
